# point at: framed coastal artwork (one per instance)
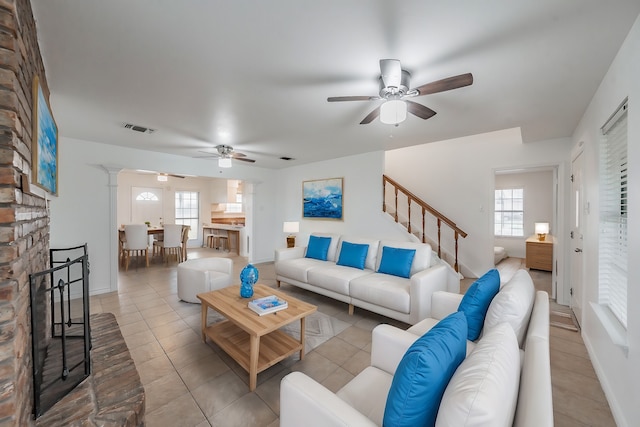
(322, 199)
(44, 150)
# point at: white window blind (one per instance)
(613, 215)
(188, 210)
(509, 212)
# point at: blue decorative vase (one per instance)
(248, 278)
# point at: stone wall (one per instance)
(24, 222)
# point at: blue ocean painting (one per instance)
(322, 199)
(47, 146)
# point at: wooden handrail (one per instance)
(412, 198)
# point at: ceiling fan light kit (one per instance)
(393, 112)
(394, 88)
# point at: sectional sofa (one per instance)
(503, 380)
(392, 278)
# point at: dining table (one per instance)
(155, 231)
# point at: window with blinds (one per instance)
(613, 215)
(509, 212)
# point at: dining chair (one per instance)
(136, 242)
(185, 239)
(172, 242)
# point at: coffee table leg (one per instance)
(254, 341)
(302, 333)
(204, 321)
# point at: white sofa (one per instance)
(404, 299)
(484, 390)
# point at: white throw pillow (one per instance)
(513, 305)
(484, 389)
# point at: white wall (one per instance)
(457, 178)
(618, 372)
(538, 205)
(362, 199)
(81, 212)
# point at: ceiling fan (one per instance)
(394, 90)
(224, 155)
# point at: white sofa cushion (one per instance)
(384, 290)
(334, 277)
(333, 246)
(298, 268)
(421, 260)
(484, 389)
(513, 304)
(367, 393)
(370, 261)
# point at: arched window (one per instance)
(147, 196)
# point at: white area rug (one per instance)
(319, 328)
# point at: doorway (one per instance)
(514, 220)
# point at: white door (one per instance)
(577, 210)
(146, 205)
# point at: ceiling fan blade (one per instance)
(236, 155)
(391, 72)
(176, 176)
(244, 159)
(352, 98)
(420, 110)
(371, 116)
(449, 83)
(207, 155)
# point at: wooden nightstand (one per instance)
(540, 253)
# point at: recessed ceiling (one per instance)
(256, 75)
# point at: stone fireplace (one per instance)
(114, 397)
(24, 219)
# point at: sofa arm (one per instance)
(423, 285)
(289, 253)
(388, 345)
(304, 402)
(444, 303)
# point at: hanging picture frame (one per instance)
(44, 150)
(323, 199)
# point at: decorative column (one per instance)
(113, 171)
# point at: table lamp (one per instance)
(291, 227)
(542, 229)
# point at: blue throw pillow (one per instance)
(353, 254)
(396, 261)
(424, 372)
(318, 247)
(476, 300)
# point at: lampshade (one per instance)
(224, 162)
(393, 112)
(291, 227)
(542, 227)
(162, 178)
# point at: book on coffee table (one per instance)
(266, 305)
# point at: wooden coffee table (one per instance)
(251, 340)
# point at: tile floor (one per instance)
(191, 383)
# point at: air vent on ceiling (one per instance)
(138, 128)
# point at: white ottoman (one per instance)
(196, 276)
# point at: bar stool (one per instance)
(217, 240)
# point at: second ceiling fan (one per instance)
(395, 89)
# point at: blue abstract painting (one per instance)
(45, 156)
(322, 199)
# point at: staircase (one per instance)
(421, 220)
